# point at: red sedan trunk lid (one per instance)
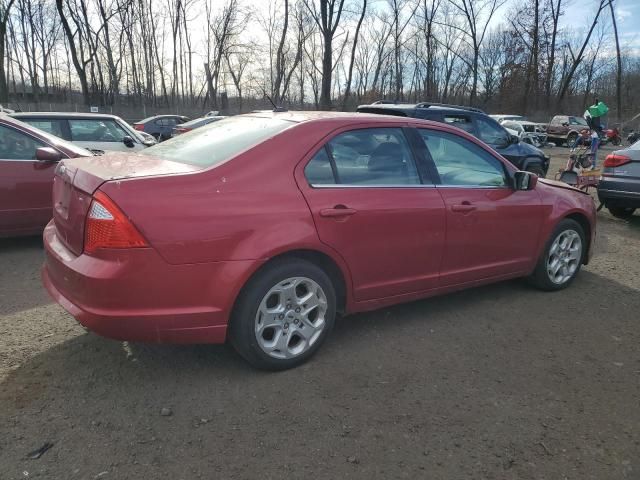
(77, 179)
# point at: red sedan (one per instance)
(261, 228)
(28, 158)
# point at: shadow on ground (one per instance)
(497, 382)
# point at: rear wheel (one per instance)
(622, 212)
(283, 315)
(562, 257)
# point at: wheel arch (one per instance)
(337, 274)
(583, 221)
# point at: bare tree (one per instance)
(356, 36)
(4, 18)
(577, 59)
(327, 19)
(478, 15)
(618, 64)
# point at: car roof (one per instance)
(412, 107)
(342, 118)
(64, 115)
(155, 117)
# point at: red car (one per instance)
(260, 228)
(28, 159)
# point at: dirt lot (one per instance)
(501, 382)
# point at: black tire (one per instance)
(622, 212)
(537, 169)
(540, 278)
(242, 325)
(572, 138)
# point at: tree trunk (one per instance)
(619, 67)
(347, 91)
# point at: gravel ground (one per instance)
(499, 382)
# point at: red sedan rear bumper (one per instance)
(135, 295)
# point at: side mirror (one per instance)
(524, 180)
(128, 141)
(48, 154)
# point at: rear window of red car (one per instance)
(214, 143)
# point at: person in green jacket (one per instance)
(596, 112)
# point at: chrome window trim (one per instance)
(475, 187)
(342, 185)
(625, 192)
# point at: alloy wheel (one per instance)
(291, 317)
(564, 256)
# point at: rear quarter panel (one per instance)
(248, 208)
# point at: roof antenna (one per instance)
(276, 108)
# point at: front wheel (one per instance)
(562, 257)
(283, 315)
(622, 212)
(572, 139)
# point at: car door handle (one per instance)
(337, 211)
(463, 208)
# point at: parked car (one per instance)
(566, 129)
(160, 126)
(619, 186)
(500, 118)
(261, 227)
(475, 122)
(193, 124)
(97, 132)
(529, 132)
(28, 159)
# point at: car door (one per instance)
(101, 134)
(492, 229)
(25, 183)
(375, 206)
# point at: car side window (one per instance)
(463, 122)
(318, 171)
(15, 145)
(367, 157)
(462, 163)
(52, 126)
(96, 131)
(492, 133)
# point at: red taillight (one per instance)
(108, 227)
(182, 129)
(138, 126)
(615, 160)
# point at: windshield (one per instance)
(219, 141)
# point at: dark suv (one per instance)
(477, 123)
